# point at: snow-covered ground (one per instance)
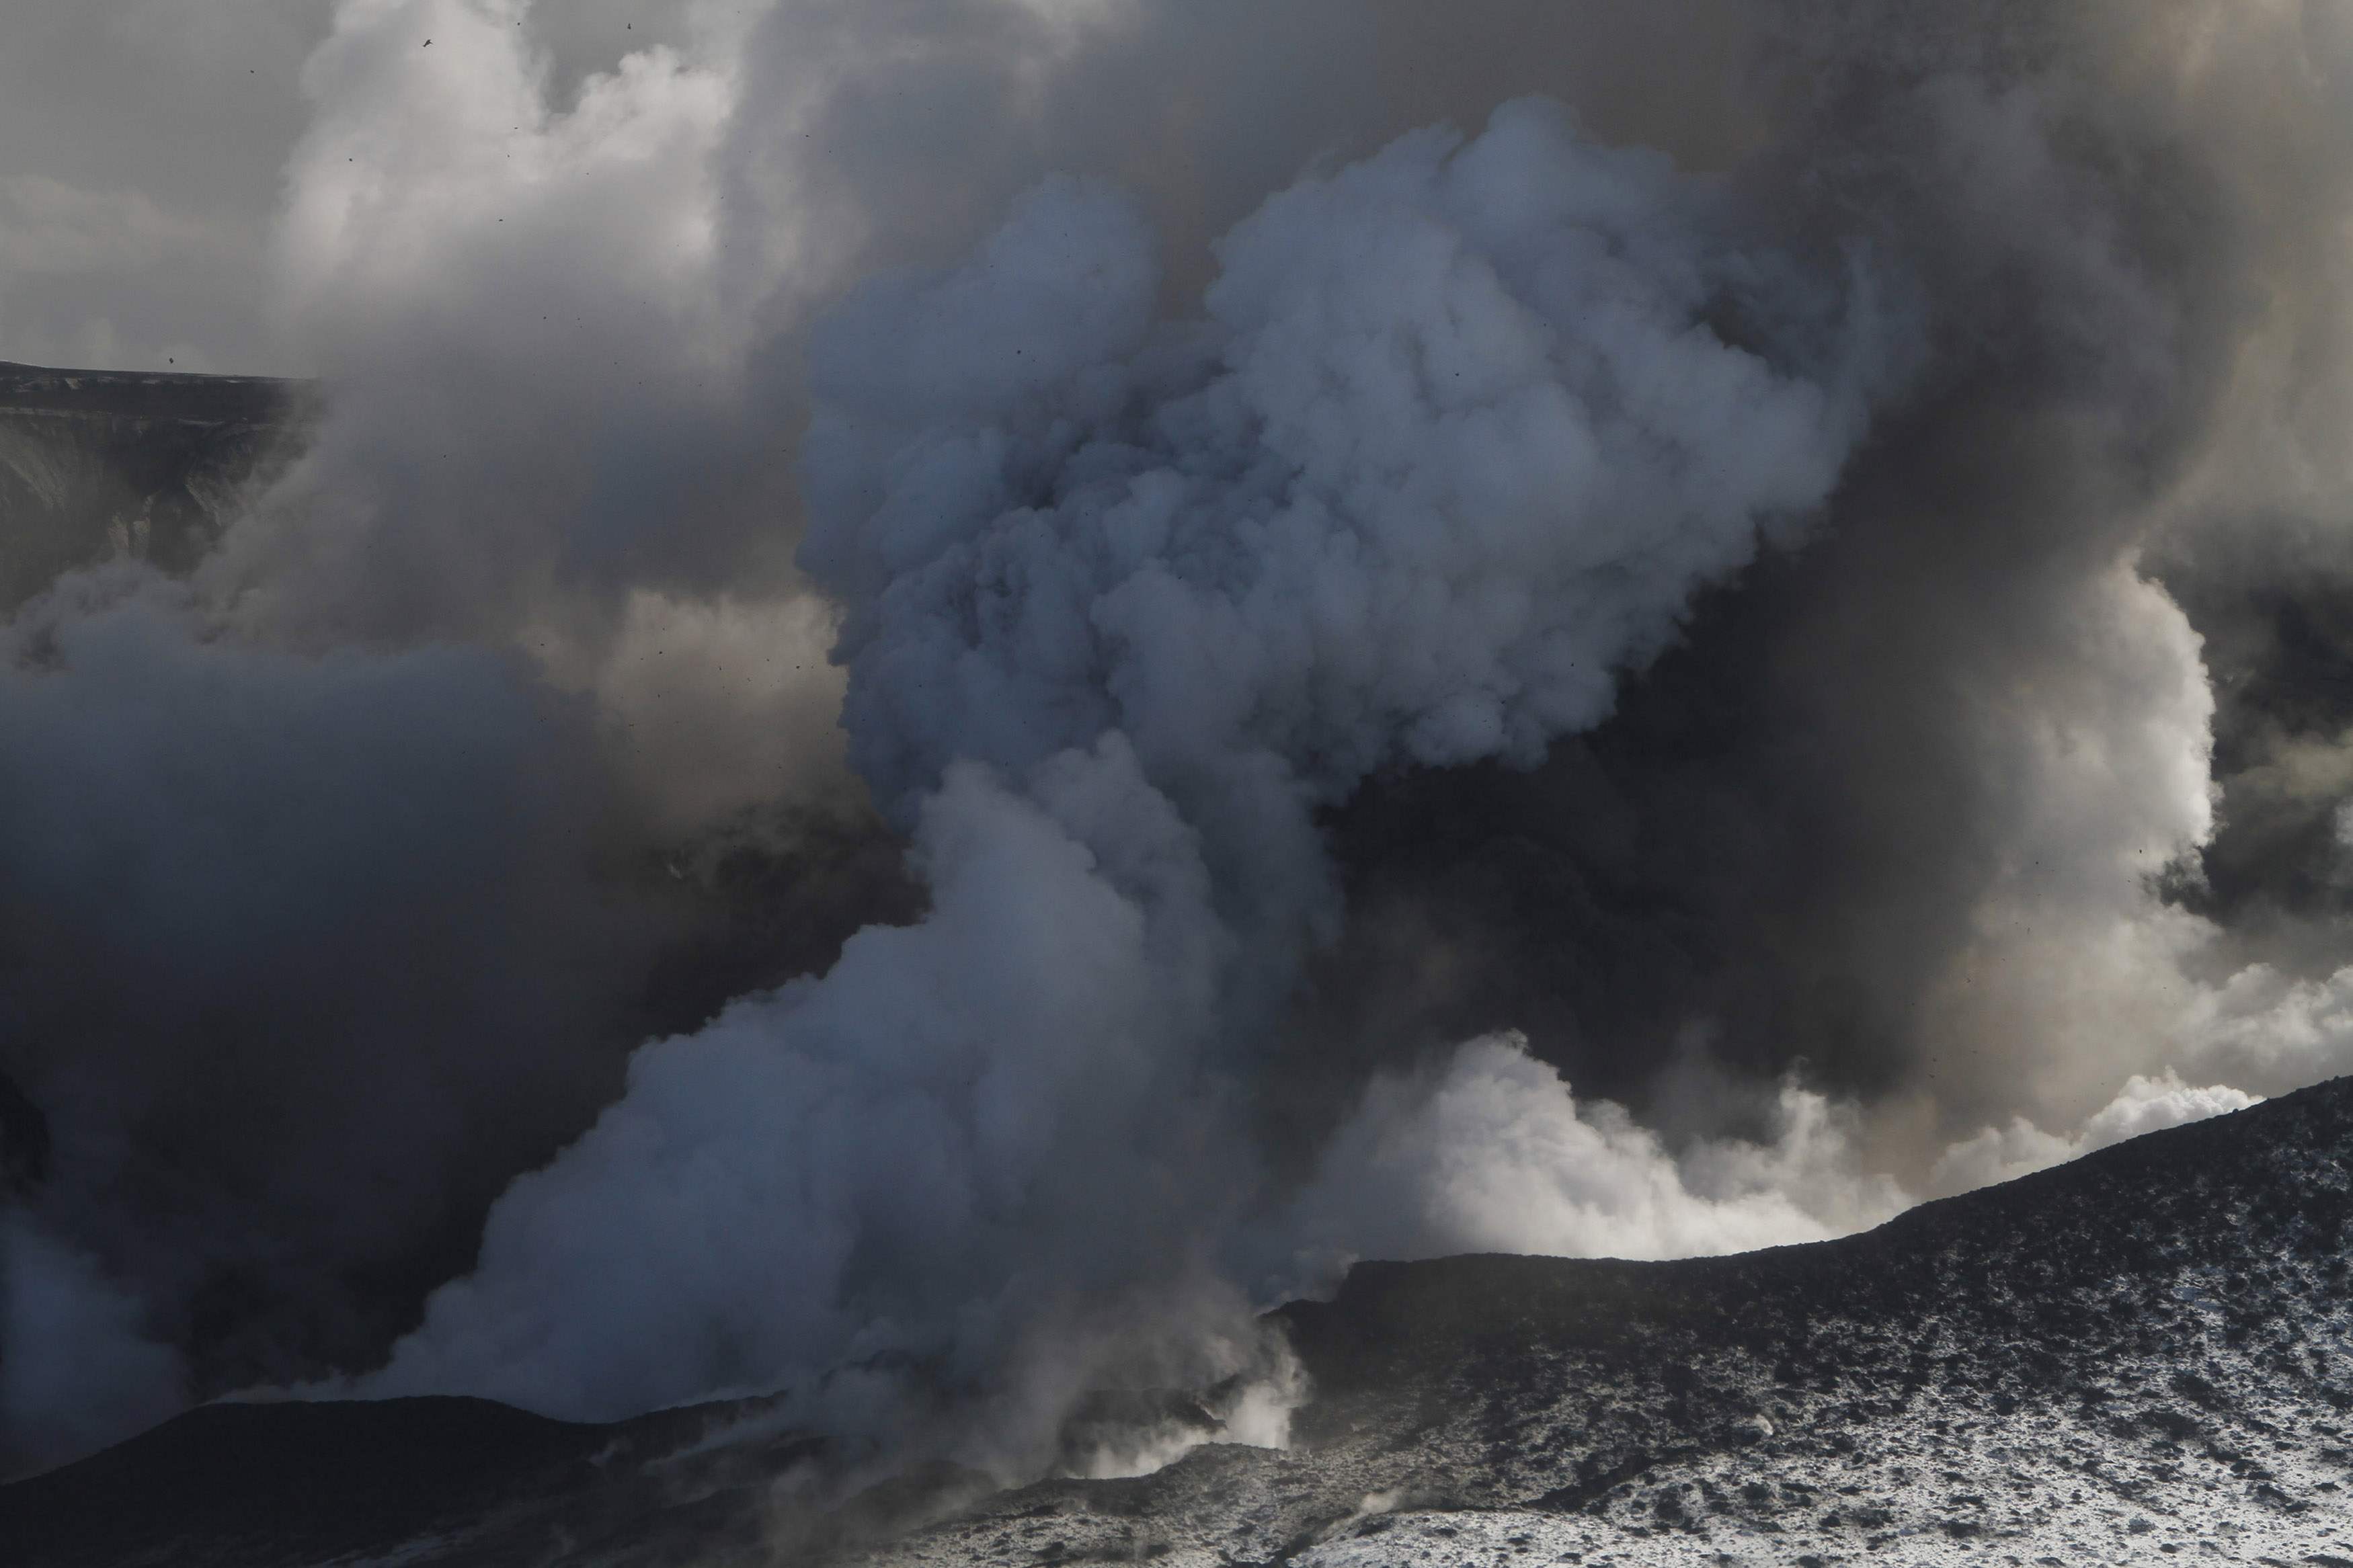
(2138, 1357)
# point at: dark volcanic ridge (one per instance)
(2138, 1355)
(174, 396)
(102, 465)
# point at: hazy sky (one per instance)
(142, 145)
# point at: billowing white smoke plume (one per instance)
(2145, 1104)
(1493, 1152)
(1452, 447)
(521, 298)
(1152, 556)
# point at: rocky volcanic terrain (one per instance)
(2140, 1357)
(98, 464)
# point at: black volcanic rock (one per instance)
(99, 465)
(233, 1482)
(2145, 1354)
(151, 395)
(433, 1479)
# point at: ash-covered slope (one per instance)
(99, 464)
(2140, 1355)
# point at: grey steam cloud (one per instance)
(1123, 605)
(954, 689)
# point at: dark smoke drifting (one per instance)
(1787, 584)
